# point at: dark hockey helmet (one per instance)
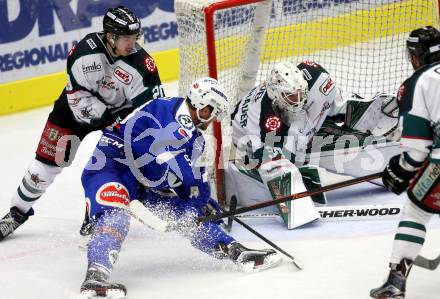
(424, 43)
(121, 21)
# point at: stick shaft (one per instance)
(293, 197)
(275, 246)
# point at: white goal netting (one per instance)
(360, 42)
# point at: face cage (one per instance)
(293, 107)
(215, 114)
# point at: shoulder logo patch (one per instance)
(150, 64)
(91, 43)
(185, 121)
(272, 123)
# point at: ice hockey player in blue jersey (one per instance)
(151, 158)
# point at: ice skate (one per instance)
(96, 285)
(12, 221)
(253, 260)
(394, 286)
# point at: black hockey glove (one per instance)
(106, 120)
(212, 208)
(395, 178)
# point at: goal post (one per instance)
(360, 42)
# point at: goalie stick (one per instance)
(429, 264)
(293, 197)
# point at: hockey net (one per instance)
(360, 42)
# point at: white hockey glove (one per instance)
(88, 110)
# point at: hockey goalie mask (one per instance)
(287, 89)
(208, 91)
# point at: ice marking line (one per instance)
(36, 251)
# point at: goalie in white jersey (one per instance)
(277, 120)
(417, 168)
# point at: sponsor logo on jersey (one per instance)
(107, 140)
(196, 85)
(185, 121)
(123, 76)
(113, 194)
(327, 86)
(272, 123)
(91, 68)
(150, 64)
(91, 43)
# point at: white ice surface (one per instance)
(41, 260)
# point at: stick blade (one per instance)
(425, 263)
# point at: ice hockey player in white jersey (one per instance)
(417, 168)
(151, 157)
(109, 74)
(277, 120)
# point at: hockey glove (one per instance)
(212, 208)
(395, 178)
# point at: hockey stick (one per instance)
(292, 197)
(423, 262)
(273, 245)
(232, 207)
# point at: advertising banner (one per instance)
(36, 35)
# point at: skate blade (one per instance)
(110, 294)
(271, 261)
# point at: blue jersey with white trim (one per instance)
(158, 145)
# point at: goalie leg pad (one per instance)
(287, 180)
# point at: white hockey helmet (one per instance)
(287, 88)
(208, 91)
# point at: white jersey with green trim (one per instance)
(254, 116)
(419, 104)
(96, 78)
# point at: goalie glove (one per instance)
(395, 178)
